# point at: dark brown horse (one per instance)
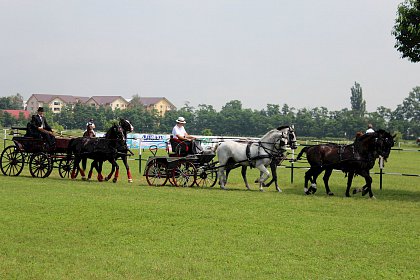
(99, 149)
(355, 159)
(122, 152)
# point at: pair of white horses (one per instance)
(260, 154)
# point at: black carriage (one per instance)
(180, 168)
(36, 153)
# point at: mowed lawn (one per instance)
(57, 228)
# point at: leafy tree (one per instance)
(358, 105)
(14, 102)
(206, 119)
(8, 120)
(406, 118)
(135, 102)
(230, 119)
(407, 30)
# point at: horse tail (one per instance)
(215, 147)
(304, 150)
(70, 149)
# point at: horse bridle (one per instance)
(383, 145)
(287, 138)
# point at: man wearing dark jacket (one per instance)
(41, 129)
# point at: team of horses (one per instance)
(357, 158)
(108, 148)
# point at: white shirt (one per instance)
(178, 130)
(42, 121)
(370, 130)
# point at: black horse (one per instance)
(99, 149)
(122, 152)
(354, 159)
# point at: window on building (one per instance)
(57, 103)
(56, 109)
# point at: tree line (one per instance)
(234, 120)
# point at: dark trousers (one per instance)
(50, 139)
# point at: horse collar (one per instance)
(248, 153)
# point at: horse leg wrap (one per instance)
(365, 190)
(82, 173)
(100, 177)
(312, 188)
(116, 176)
(130, 179)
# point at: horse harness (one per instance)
(251, 160)
(355, 155)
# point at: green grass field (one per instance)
(57, 228)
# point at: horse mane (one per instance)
(282, 127)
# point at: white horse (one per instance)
(259, 154)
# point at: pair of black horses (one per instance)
(357, 158)
(108, 148)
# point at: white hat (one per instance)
(180, 120)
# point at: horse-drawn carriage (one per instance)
(183, 169)
(180, 168)
(36, 153)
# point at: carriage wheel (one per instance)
(206, 176)
(184, 174)
(156, 173)
(40, 165)
(65, 167)
(12, 161)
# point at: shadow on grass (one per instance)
(388, 194)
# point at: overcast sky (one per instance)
(305, 53)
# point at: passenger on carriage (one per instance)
(90, 132)
(39, 128)
(370, 129)
(182, 142)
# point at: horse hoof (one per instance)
(308, 193)
(312, 190)
(330, 193)
(114, 180)
(106, 179)
(84, 179)
(279, 190)
(354, 191)
(372, 197)
(130, 180)
(348, 195)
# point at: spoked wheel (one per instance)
(65, 168)
(12, 161)
(184, 174)
(156, 173)
(206, 176)
(40, 165)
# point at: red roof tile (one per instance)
(15, 113)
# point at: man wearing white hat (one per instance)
(179, 132)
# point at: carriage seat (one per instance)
(179, 147)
